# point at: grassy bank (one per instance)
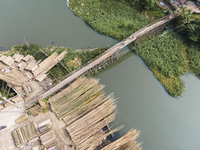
(72, 60)
(117, 19)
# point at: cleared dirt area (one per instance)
(58, 126)
(191, 5)
(10, 114)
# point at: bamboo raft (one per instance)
(86, 111)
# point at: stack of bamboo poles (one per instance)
(86, 111)
(75, 96)
(17, 57)
(49, 139)
(28, 58)
(24, 134)
(47, 64)
(130, 138)
(8, 60)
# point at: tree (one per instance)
(185, 15)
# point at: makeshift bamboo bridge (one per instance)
(111, 52)
(87, 113)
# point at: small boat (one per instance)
(67, 3)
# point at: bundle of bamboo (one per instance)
(87, 111)
(78, 94)
(3, 57)
(46, 65)
(130, 137)
(36, 110)
(8, 61)
(28, 58)
(49, 139)
(17, 57)
(22, 118)
(24, 134)
(84, 103)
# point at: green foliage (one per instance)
(164, 55)
(193, 52)
(193, 31)
(116, 19)
(184, 17)
(4, 90)
(148, 4)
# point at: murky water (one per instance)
(166, 123)
(44, 22)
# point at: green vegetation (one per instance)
(194, 59)
(164, 55)
(72, 60)
(6, 91)
(168, 56)
(193, 31)
(117, 19)
(46, 109)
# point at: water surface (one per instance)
(44, 22)
(166, 123)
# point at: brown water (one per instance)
(166, 123)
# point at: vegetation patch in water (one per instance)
(165, 56)
(193, 52)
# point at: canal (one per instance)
(166, 123)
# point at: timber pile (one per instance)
(86, 111)
(24, 134)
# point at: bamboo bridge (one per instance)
(103, 57)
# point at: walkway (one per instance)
(110, 52)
